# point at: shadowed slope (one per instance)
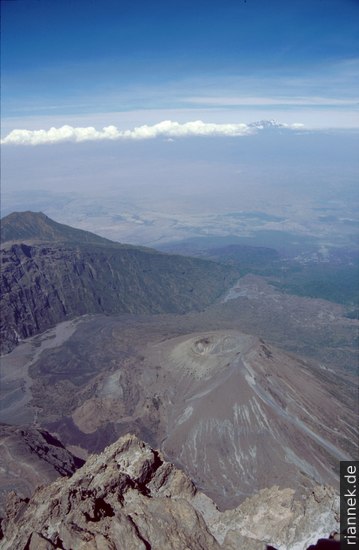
(43, 284)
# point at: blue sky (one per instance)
(147, 107)
(84, 62)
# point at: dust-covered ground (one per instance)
(212, 389)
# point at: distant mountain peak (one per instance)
(267, 124)
(37, 227)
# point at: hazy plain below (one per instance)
(276, 185)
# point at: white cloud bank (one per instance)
(165, 129)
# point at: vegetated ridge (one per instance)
(51, 272)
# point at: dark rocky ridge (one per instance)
(37, 227)
(69, 275)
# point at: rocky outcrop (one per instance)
(129, 497)
(280, 518)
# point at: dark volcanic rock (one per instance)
(43, 284)
(36, 227)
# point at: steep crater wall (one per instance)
(42, 285)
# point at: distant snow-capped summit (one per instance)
(273, 124)
(261, 124)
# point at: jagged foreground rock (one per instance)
(128, 497)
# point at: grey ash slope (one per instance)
(51, 272)
(239, 415)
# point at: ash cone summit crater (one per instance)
(217, 344)
(201, 355)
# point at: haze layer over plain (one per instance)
(158, 190)
(190, 81)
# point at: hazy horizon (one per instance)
(136, 121)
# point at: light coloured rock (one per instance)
(278, 517)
